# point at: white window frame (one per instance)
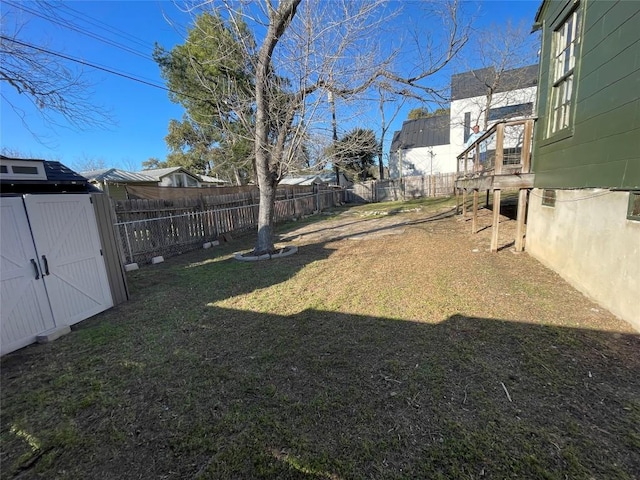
(566, 45)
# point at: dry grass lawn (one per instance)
(392, 346)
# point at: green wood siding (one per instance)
(602, 148)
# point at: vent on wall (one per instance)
(633, 213)
(548, 198)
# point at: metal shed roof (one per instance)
(159, 173)
(422, 132)
(302, 180)
(117, 176)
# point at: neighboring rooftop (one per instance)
(475, 83)
(117, 176)
(302, 180)
(158, 173)
(18, 174)
(422, 132)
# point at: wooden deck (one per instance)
(496, 175)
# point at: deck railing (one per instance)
(503, 149)
(499, 159)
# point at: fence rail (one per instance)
(401, 189)
(152, 227)
(173, 233)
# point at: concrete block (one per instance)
(206, 245)
(215, 244)
(158, 259)
(53, 334)
(130, 267)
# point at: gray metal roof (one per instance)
(158, 173)
(116, 176)
(302, 180)
(208, 179)
(474, 83)
(422, 132)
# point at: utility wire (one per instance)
(98, 67)
(105, 26)
(78, 29)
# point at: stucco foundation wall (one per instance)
(587, 239)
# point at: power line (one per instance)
(83, 31)
(105, 26)
(98, 67)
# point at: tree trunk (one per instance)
(265, 240)
(266, 157)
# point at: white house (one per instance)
(428, 146)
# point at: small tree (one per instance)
(420, 112)
(355, 152)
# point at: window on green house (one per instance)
(566, 45)
(633, 213)
(548, 198)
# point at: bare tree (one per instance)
(87, 163)
(47, 79)
(496, 59)
(307, 50)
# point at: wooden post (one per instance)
(476, 159)
(499, 148)
(464, 202)
(520, 219)
(496, 220)
(457, 201)
(487, 202)
(433, 186)
(474, 221)
(525, 154)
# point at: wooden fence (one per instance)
(149, 227)
(198, 200)
(173, 230)
(402, 188)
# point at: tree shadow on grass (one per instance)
(174, 385)
(227, 393)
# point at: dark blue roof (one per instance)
(59, 177)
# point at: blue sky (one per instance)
(141, 112)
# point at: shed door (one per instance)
(66, 236)
(25, 310)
